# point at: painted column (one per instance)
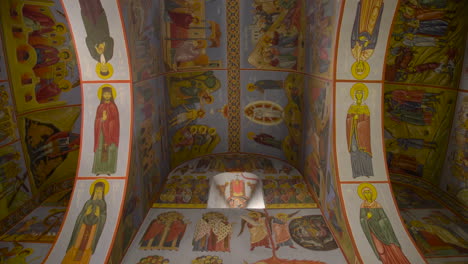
(95, 208)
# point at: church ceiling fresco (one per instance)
(40, 98)
(268, 236)
(422, 74)
(228, 76)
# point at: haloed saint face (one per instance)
(359, 95)
(98, 193)
(107, 96)
(367, 193)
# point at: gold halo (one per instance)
(63, 83)
(106, 186)
(64, 28)
(251, 135)
(251, 87)
(212, 131)
(359, 87)
(366, 185)
(362, 75)
(70, 55)
(99, 92)
(193, 130)
(202, 129)
(98, 71)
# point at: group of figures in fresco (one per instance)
(15, 255)
(37, 228)
(418, 109)
(277, 33)
(37, 102)
(214, 233)
(46, 52)
(193, 191)
(188, 186)
(190, 33)
(321, 21)
(425, 43)
(189, 95)
(424, 49)
(437, 231)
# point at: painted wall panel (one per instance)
(114, 130)
(90, 21)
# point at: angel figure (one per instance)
(257, 223)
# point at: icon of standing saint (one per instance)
(89, 225)
(358, 133)
(106, 132)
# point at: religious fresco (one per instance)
(333, 213)
(51, 140)
(226, 236)
(42, 225)
(101, 48)
(184, 190)
(417, 122)
(322, 19)
(426, 43)
(456, 161)
(286, 192)
(143, 31)
(271, 119)
(15, 187)
(107, 126)
(317, 113)
(274, 34)
(87, 231)
(155, 259)
(364, 38)
(212, 233)
(193, 185)
(311, 232)
(15, 253)
(408, 197)
(196, 100)
(46, 74)
(358, 126)
(165, 232)
(437, 232)
(208, 260)
(193, 34)
(377, 227)
(8, 131)
(149, 161)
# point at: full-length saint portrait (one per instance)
(88, 226)
(377, 227)
(164, 232)
(98, 40)
(365, 34)
(106, 133)
(358, 133)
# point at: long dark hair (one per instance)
(106, 89)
